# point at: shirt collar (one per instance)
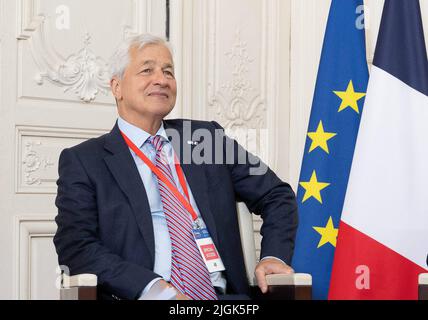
(136, 135)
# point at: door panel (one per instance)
(54, 93)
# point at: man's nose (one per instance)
(159, 78)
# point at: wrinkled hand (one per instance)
(270, 266)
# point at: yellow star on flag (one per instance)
(313, 188)
(320, 138)
(328, 234)
(349, 98)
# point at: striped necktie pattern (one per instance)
(189, 273)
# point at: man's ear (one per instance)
(116, 88)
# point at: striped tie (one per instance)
(189, 273)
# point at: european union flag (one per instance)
(333, 128)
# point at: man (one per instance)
(138, 209)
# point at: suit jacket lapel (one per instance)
(195, 174)
(124, 170)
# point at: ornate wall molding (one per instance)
(230, 103)
(33, 162)
(38, 151)
(238, 113)
(220, 74)
(83, 72)
(238, 102)
(242, 62)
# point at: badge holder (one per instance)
(207, 247)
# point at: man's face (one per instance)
(148, 88)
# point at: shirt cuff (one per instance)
(148, 287)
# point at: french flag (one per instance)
(382, 244)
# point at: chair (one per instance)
(423, 286)
(280, 286)
(297, 286)
(79, 287)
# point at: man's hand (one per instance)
(179, 295)
(270, 266)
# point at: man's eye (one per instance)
(169, 74)
(146, 70)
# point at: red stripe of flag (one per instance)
(366, 269)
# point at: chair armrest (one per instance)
(423, 286)
(296, 286)
(79, 287)
(79, 280)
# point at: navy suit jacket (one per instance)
(104, 219)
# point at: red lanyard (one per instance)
(185, 202)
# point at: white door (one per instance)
(53, 94)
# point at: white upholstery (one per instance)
(296, 279)
(246, 230)
(423, 278)
(80, 280)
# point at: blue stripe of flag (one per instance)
(401, 49)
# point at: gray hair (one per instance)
(120, 59)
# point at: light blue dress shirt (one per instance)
(162, 240)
